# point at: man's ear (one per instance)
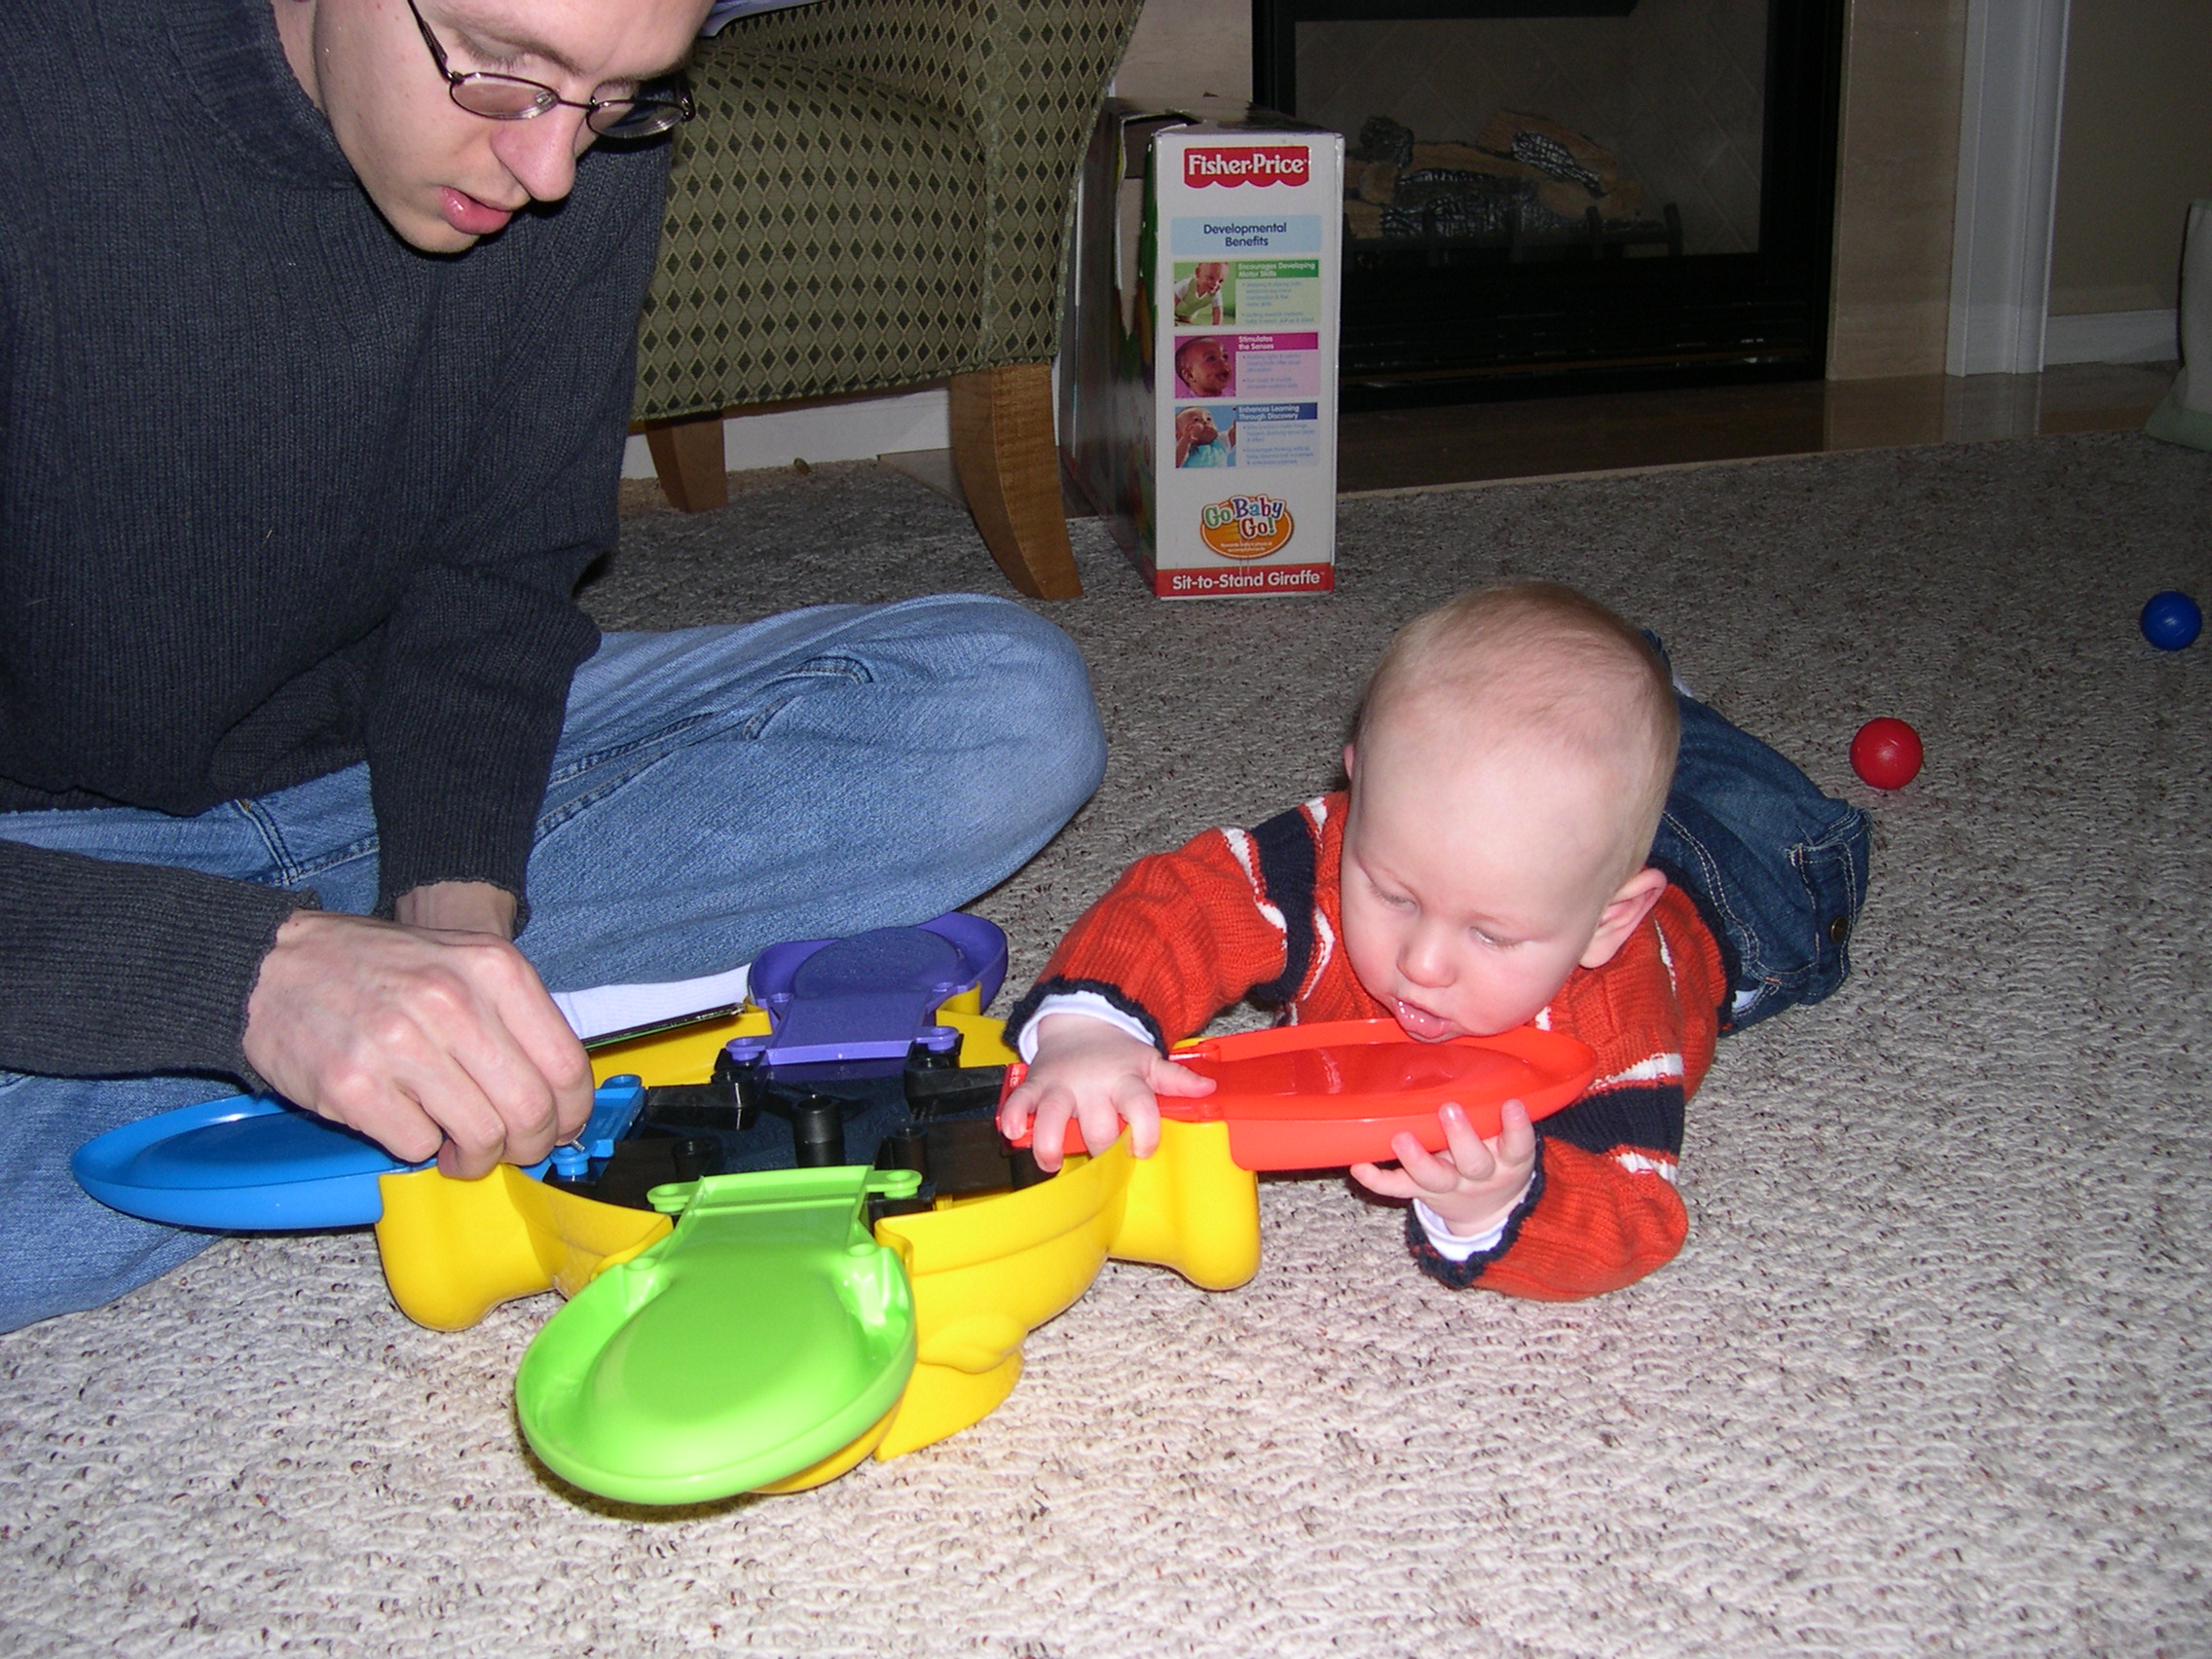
(1623, 914)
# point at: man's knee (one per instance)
(1035, 698)
(1053, 706)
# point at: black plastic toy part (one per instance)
(929, 1114)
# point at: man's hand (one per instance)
(1473, 1184)
(431, 1035)
(1101, 1076)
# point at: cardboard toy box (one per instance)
(1198, 355)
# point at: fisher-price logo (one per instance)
(1247, 163)
(1245, 526)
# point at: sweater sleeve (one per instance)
(1183, 934)
(466, 698)
(1603, 1210)
(119, 967)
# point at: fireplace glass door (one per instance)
(1558, 193)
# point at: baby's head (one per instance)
(1196, 424)
(1204, 365)
(1510, 761)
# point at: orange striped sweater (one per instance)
(1239, 912)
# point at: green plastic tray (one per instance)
(766, 1332)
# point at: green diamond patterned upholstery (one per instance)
(873, 193)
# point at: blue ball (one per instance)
(2171, 620)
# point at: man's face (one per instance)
(1205, 366)
(441, 176)
(1471, 890)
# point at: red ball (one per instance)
(1886, 754)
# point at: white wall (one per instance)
(856, 428)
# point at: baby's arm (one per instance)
(1101, 1076)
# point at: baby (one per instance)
(1198, 297)
(1205, 366)
(1490, 865)
(1198, 442)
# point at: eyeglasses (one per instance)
(657, 106)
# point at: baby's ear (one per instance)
(1623, 914)
(1350, 752)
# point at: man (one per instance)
(317, 329)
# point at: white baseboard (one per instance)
(2111, 337)
(857, 428)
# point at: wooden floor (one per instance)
(1473, 442)
(1413, 449)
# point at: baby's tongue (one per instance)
(1420, 1024)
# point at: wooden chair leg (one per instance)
(687, 454)
(1010, 471)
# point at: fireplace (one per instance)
(1570, 195)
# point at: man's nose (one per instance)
(541, 153)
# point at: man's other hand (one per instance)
(429, 1035)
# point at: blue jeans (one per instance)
(1778, 867)
(714, 791)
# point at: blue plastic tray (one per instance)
(244, 1163)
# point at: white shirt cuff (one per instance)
(1091, 1006)
(1454, 1248)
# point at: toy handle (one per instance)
(1071, 1145)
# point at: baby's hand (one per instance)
(1101, 1076)
(1473, 1184)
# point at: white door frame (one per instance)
(2015, 85)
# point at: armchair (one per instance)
(873, 195)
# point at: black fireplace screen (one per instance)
(1553, 193)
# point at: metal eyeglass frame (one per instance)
(641, 117)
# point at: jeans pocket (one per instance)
(1833, 869)
(788, 689)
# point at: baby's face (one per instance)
(1205, 366)
(1196, 425)
(1209, 277)
(1471, 889)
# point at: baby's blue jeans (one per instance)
(714, 791)
(1778, 867)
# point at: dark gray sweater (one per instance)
(278, 494)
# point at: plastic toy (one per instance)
(1323, 1096)
(796, 1320)
(2171, 621)
(1886, 754)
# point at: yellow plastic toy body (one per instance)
(455, 1250)
(987, 1272)
(984, 1271)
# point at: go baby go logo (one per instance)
(1247, 526)
(1246, 163)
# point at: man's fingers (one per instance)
(546, 1045)
(393, 1031)
(476, 1135)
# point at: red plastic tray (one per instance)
(1323, 1096)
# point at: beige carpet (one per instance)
(1931, 1377)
